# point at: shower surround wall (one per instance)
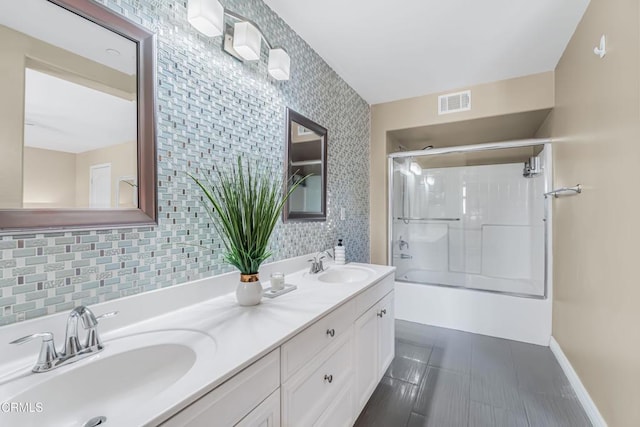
(495, 241)
(211, 108)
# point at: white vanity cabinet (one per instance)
(317, 367)
(267, 414)
(242, 400)
(374, 342)
(387, 333)
(308, 396)
(330, 369)
(321, 377)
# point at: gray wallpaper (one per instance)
(211, 108)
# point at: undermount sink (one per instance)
(345, 274)
(130, 371)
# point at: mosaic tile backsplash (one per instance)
(211, 108)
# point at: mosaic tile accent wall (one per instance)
(211, 108)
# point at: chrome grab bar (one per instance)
(564, 190)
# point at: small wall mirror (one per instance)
(77, 116)
(306, 155)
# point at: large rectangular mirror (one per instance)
(77, 117)
(306, 156)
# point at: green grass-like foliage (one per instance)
(244, 205)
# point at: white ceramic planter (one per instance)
(249, 293)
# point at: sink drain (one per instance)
(96, 421)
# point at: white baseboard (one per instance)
(581, 392)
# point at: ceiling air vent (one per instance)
(454, 102)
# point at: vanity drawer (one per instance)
(302, 348)
(308, 394)
(368, 298)
(229, 403)
(340, 411)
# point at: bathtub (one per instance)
(459, 306)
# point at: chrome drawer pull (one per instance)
(331, 332)
(379, 314)
(384, 311)
(328, 378)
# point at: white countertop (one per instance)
(242, 335)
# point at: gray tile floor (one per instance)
(446, 378)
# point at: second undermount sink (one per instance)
(129, 371)
(345, 274)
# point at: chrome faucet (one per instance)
(316, 262)
(71, 341)
(403, 244)
(72, 350)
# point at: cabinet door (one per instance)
(340, 412)
(307, 394)
(366, 356)
(387, 333)
(267, 414)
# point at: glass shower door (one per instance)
(457, 221)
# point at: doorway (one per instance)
(100, 186)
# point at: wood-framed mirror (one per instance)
(77, 117)
(306, 155)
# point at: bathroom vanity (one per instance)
(322, 376)
(311, 357)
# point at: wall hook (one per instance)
(601, 50)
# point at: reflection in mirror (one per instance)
(76, 116)
(77, 141)
(79, 109)
(306, 156)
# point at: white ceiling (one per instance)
(389, 50)
(57, 26)
(64, 116)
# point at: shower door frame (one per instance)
(548, 212)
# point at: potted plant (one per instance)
(244, 205)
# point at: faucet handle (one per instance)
(46, 336)
(48, 353)
(107, 315)
(89, 320)
(93, 339)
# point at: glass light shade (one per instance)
(279, 64)
(246, 41)
(206, 16)
(415, 168)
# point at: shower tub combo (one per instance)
(469, 234)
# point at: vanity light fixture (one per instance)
(207, 16)
(246, 41)
(242, 40)
(279, 64)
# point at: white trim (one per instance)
(583, 395)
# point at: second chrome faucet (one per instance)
(72, 350)
(316, 263)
